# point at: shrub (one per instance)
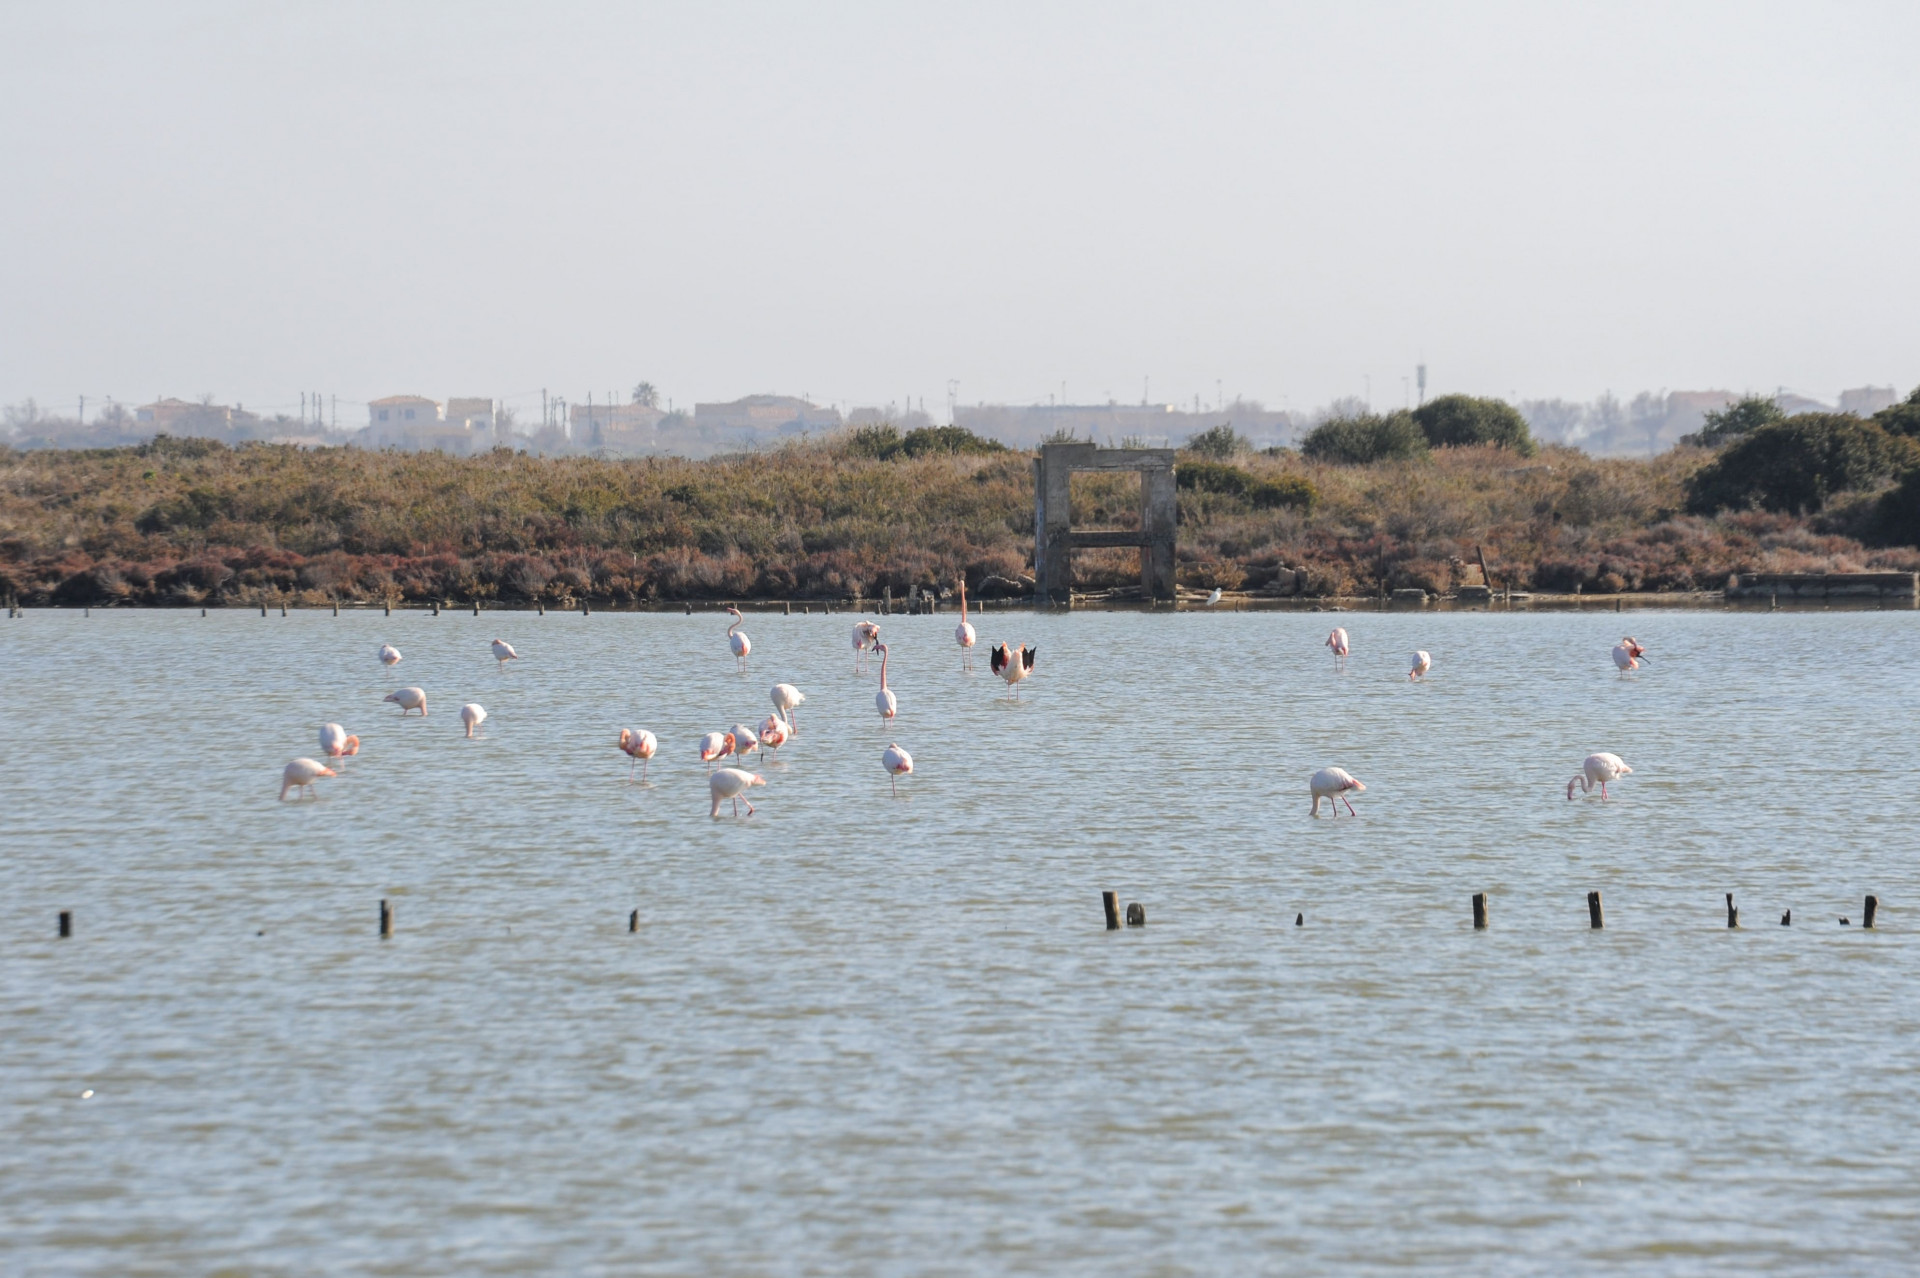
(1230, 481)
(879, 442)
(926, 440)
(1454, 421)
(1896, 516)
(1796, 465)
(1361, 441)
(1903, 418)
(1735, 420)
(1220, 442)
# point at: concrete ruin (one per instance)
(1054, 539)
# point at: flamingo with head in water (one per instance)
(1337, 641)
(1421, 664)
(884, 700)
(1597, 770)
(785, 697)
(472, 715)
(1628, 654)
(1333, 784)
(638, 744)
(963, 634)
(335, 743)
(300, 775)
(408, 699)
(898, 763)
(732, 783)
(866, 638)
(737, 639)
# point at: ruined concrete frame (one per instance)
(1054, 539)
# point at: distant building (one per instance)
(413, 423)
(764, 414)
(1793, 404)
(1865, 401)
(1147, 425)
(396, 410)
(172, 416)
(474, 414)
(620, 428)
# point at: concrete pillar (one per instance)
(1054, 578)
(1159, 513)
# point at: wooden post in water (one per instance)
(336, 607)
(1136, 914)
(1733, 912)
(476, 607)
(1299, 920)
(386, 918)
(386, 609)
(633, 921)
(66, 923)
(1479, 911)
(1786, 920)
(263, 610)
(542, 607)
(1596, 917)
(283, 607)
(1871, 908)
(1110, 902)
(788, 608)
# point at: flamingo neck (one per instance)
(883, 672)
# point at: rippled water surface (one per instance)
(860, 1034)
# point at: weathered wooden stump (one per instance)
(1136, 914)
(1733, 912)
(386, 918)
(1110, 902)
(1871, 908)
(1479, 911)
(1596, 917)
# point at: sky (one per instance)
(1005, 202)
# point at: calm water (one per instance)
(857, 1034)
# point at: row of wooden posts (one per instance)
(928, 604)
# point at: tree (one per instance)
(1797, 464)
(646, 395)
(1218, 441)
(1740, 418)
(1456, 421)
(1364, 439)
(1901, 419)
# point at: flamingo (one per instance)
(1421, 664)
(898, 763)
(737, 639)
(335, 743)
(743, 740)
(963, 633)
(639, 745)
(714, 746)
(1338, 642)
(1598, 769)
(503, 653)
(389, 655)
(866, 637)
(408, 699)
(1332, 784)
(785, 697)
(774, 732)
(301, 774)
(1628, 654)
(731, 783)
(1012, 666)
(884, 700)
(473, 714)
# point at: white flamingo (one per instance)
(1332, 784)
(408, 699)
(472, 714)
(1338, 642)
(1597, 770)
(963, 634)
(714, 747)
(335, 743)
(774, 733)
(898, 763)
(732, 783)
(389, 655)
(300, 775)
(1011, 665)
(737, 640)
(503, 653)
(1421, 664)
(785, 697)
(1628, 654)
(884, 700)
(744, 739)
(639, 745)
(866, 637)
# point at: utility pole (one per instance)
(1420, 374)
(546, 414)
(333, 404)
(83, 410)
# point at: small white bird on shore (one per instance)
(1333, 784)
(408, 699)
(1421, 664)
(732, 783)
(335, 743)
(389, 655)
(300, 775)
(898, 763)
(503, 653)
(1213, 598)
(785, 697)
(1597, 770)
(472, 715)
(638, 744)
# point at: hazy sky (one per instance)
(862, 202)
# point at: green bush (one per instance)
(926, 440)
(1896, 517)
(1796, 465)
(1221, 442)
(1735, 420)
(1903, 418)
(1456, 421)
(1292, 491)
(1361, 441)
(879, 442)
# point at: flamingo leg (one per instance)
(1350, 811)
(896, 785)
(749, 807)
(1603, 792)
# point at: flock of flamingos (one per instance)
(731, 784)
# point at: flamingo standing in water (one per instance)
(408, 699)
(300, 775)
(714, 747)
(866, 637)
(785, 697)
(473, 714)
(503, 653)
(731, 783)
(1628, 654)
(1332, 785)
(639, 745)
(774, 732)
(743, 740)
(737, 640)
(1597, 770)
(884, 700)
(963, 633)
(335, 743)
(1011, 665)
(1338, 642)
(897, 763)
(389, 655)
(1421, 664)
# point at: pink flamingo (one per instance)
(639, 745)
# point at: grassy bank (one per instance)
(188, 522)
